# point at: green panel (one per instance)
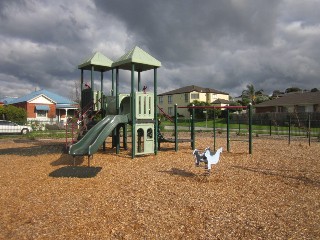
(97, 95)
(144, 105)
(87, 98)
(144, 138)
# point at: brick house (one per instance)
(45, 106)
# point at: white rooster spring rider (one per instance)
(207, 157)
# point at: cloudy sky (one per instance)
(221, 44)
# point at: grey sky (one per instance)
(221, 44)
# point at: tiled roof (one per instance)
(221, 101)
(192, 88)
(7, 100)
(53, 96)
(290, 99)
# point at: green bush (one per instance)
(14, 114)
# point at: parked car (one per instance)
(9, 127)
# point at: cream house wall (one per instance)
(41, 99)
(214, 96)
(184, 99)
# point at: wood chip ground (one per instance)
(272, 194)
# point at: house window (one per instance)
(194, 95)
(214, 96)
(41, 113)
(169, 99)
(282, 109)
(186, 97)
(170, 111)
(160, 99)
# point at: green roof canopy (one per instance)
(143, 60)
(99, 61)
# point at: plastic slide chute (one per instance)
(94, 138)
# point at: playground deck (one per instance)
(272, 194)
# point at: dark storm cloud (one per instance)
(183, 31)
(223, 44)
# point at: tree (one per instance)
(198, 112)
(293, 89)
(249, 95)
(75, 94)
(314, 90)
(277, 93)
(262, 98)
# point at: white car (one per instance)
(8, 127)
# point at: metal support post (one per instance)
(250, 128)
(176, 127)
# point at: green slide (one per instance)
(94, 138)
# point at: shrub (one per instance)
(14, 114)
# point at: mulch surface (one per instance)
(272, 194)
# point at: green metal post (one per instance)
(239, 124)
(139, 81)
(176, 127)
(102, 107)
(81, 81)
(117, 90)
(289, 129)
(112, 79)
(92, 80)
(81, 89)
(193, 138)
(250, 129)
(155, 80)
(309, 128)
(117, 132)
(270, 124)
(101, 77)
(228, 132)
(101, 100)
(214, 130)
(125, 135)
(133, 115)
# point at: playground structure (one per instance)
(176, 140)
(138, 109)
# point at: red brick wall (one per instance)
(52, 111)
(31, 109)
(265, 109)
(31, 112)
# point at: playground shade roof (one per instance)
(192, 88)
(99, 61)
(143, 60)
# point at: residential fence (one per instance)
(298, 124)
(272, 124)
